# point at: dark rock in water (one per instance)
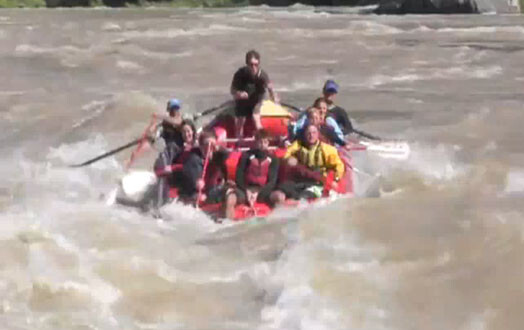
(67, 3)
(400, 7)
(119, 3)
(87, 3)
(285, 3)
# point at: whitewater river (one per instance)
(442, 248)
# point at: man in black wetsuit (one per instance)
(340, 115)
(248, 89)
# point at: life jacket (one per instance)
(257, 171)
(313, 158)
(177, 165)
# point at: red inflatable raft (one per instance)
(275, 119)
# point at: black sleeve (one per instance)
(265, 78)
(330, 134)
(171, 134)
(271, 178)
(191, 172)
(241, 170)
(237, 82)
(343, 120)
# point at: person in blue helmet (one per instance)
(171, 124)
(329, 91)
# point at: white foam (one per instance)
(129, 66)
(69, 55)
(71, 153)
(365, 28)
(372, 28)
(252, 20)
(110, 26)
(514, 181)
(435, 162)
(94, 108)
(475, 72)
(483, 30)
(214, 29)
(451, 73)
(300, 306)
(378, 80)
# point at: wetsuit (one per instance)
(215, 178)
(254, 85)
(341, 117)
(171, 134)
(168, 168)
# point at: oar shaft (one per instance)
(109, 153)
(366, 135)
(208, 111)
(292, 107)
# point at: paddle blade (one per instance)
(388, 149)
(136, 183)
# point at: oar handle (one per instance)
(204, 170)
(144, 138)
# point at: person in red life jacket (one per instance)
(171, 123)
(169, 163)
(211, 186)
(308, 162)
(340, 115)
(256, 177)
(248, 88)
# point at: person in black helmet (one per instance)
(248, 89)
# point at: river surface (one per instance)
(441, 248)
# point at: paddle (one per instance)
(109, 153)
(366, 135)
(387, 149)
(292, 107)
(356, 131)
(211, 110)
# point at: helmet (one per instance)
(173, 104)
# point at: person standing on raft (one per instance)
(248, 88)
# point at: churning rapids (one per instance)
(442, 248)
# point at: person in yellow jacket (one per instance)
(310, 160)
